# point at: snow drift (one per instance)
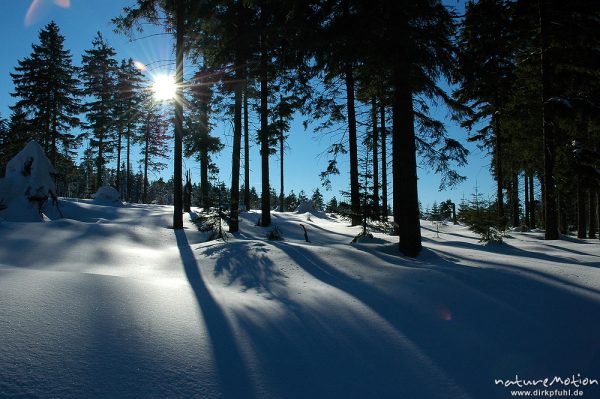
(28, 184)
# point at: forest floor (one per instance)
(111, 302)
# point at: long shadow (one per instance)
(573, 251)
(510, 269)
(233, 377)
(507, 249)
(471, 349)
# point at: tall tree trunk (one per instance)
(100, 162)
(532, 215)
(54, 135)
(237, 142)
(592, 212)
(550, 214)
(581, 213)
(384, 184)
(265, 218)
(406, 199)
(597, 205)
(178, 157)
(543, 202)
(128, 176)
(118, 182)
(204, 197)
(562, 213)
(146, 156)
(515, 199)
(281, 153)
(246, 152)
(353, 147)
(526, 202)
(499, 172)
(374, 118)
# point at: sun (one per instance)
(164, 87)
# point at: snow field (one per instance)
(111, 302)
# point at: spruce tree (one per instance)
(486, 68)
(4, 140)
(291, 201)
(177, 17)
(153, 137)
(47, 90)
(15, 133)
(339, 46)
(99, 74)
(417, 49)
(129, 97)
(198, 141)
(317, 200)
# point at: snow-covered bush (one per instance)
(107, 195)
(27, 186)
(306, 207)
(210, 223)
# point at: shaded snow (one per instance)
(122, 306)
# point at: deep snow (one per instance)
(111, 302)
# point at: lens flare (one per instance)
(63, 3)
(140, 66)
(37, 8)
(444, 313)
(32, 12)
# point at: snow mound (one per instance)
(308, 207)
(28, 184)
(107, 195)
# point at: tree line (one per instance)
(522, 75)
(109, 102)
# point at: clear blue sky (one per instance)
(304, 157)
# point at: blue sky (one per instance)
(305, 156)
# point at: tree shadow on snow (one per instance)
(479, 333)
(507, 249)
(233, 377)
(248, 264)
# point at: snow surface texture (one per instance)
(28, 181)
(107, 195)
(109, 302)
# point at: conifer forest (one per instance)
(167, 231)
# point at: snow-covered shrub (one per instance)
(306, 207)
(107, 195)
(209, 223)
(27, 186)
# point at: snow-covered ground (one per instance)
(110, 302)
